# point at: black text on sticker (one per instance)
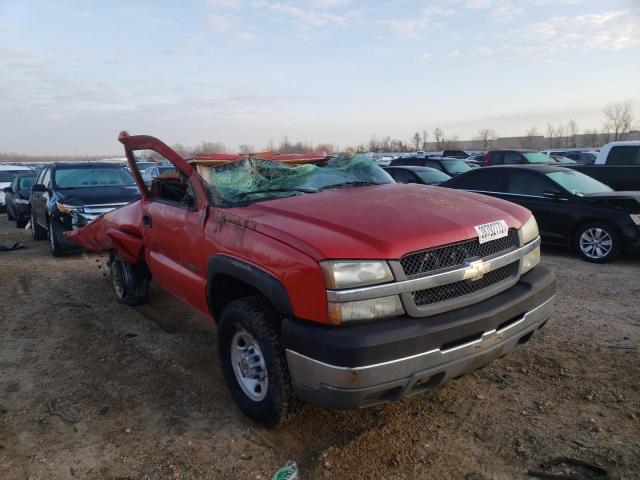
(492, 231)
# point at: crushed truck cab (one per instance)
(329, 282)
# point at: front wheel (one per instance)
(54, 239)
(253, 361)
(597, 242)
(130, 281)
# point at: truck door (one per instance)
(174, 210)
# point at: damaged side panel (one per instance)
(119, 230)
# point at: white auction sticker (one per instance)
(492, 231)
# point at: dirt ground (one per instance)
(93, 389)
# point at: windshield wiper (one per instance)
(275, 190)
(358, 183)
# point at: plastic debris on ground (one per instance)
(288, 472)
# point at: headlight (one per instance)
(530, 230)
(530, 260)
(21, 201)
(68, 208)
(530, 233)
(354, 273)
(365, 310)
(635, 217)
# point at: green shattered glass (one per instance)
(255, 179)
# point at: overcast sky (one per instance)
(73, 74)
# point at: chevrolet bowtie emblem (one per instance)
(475, 270)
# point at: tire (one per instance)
(54, 240)
(21, 223)
(597, 242)
(247, 331)
(37, 232)
(10, 216)
(130, 281)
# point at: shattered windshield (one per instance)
(254, 179)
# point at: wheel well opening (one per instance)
(224, 289)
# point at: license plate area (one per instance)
(492, 231)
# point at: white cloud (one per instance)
(505, 13)
(306, 16)
(329, 3)
(221, 23)
(225, 3)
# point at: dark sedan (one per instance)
(70, 195)
(17, 198)
(424, 175)
(450, 166)
(572, 209)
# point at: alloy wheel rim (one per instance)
(249, 366)
(596, 243)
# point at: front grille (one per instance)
(453, 255)
(443, 293)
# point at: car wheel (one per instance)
(597, 242)
(54, 239)
(253, 361)
(130, 281)
(37, 232)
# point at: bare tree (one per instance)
(417, 140)
(530, 139)
(572, 133)
(551, 135)
(561, 136)
(618, 119)
(425, 135)
(246, 148)
(591, 138)
(439, 139)
(486, 137)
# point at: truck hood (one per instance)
(98, 195)
(382, 221)
(627, 201)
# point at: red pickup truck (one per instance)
(328, 281)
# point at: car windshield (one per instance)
(561, 159)
(432, 176)
(578, 183)
(25, 183)
(455, 167)
(537, 157)
(93, 177)
(7, 176)
(166, 169)
(144, 165)
(255, 179)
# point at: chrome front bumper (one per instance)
(415, 373)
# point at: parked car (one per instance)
(7, 174)
(561, 159)
(572, 209)
(587, 157)
(70, 195)
(456, 154)
(617, 165)
(515, 157)
(424, 175)
(17, 198)
(149, 173)
(344, 307)
(450, 166)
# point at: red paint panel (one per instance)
(119, 230)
